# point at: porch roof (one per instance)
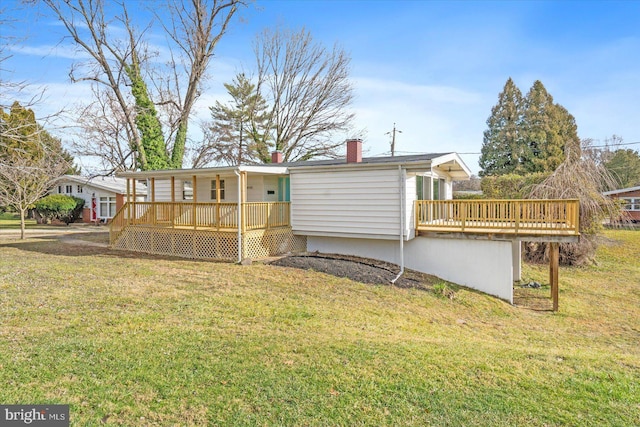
(268, 169)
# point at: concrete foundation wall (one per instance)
(484, 265)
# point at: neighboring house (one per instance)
(631, 199)
(396, 209)
(103, 196)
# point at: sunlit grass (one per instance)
(131, 340)
(10, 220)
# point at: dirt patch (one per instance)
(362, 270)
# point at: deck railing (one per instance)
(218, 216)
(502, 216)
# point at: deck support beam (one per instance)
(516, 249)
(554, 262)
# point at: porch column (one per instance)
(173, 201)
(128, 199)
(195, 200)
(218, 201)
(554, 261)
(133, 202)
(243, 200)
(153, 199)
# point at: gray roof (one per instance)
(107, 183)
(365, 160)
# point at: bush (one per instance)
(465, 195)
(511, 186)
(61, 207)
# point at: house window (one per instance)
(213, 189)
(631, 204)
(79, 189)
(187, 190)
(107, 207)
(59, 189)
(69, 189)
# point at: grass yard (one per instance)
(9, 220)
(129, 340)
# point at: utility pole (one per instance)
(393, 139)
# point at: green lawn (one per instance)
(129, 340)
(10, 220)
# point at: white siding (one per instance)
(257, 187)
(362, 203)
(485, 265)
(162, 190)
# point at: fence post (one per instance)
(517, 212)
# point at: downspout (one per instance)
(239, 215)
(403, 175)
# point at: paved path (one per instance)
(67, 232)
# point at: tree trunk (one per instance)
(22, 224)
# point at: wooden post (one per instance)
(128, 201)
(218, 201)
(554, 261)
(153, 199)
(173, 201)
(134, 200)
(195, 200)
(243, 199)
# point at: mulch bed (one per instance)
(359, 269)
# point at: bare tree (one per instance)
(122, 66)
(308, 89)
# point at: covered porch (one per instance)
(218, 213)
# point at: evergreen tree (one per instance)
(501, 144)
(624, 165)
(239, 126)
(19, 131)
(527, 135)
(547, 132)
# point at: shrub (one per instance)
(511, 186)
(61, 207)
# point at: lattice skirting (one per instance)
(208, 244)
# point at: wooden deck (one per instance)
(518, 218)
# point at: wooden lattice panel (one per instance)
(276, 241)
(201, 244)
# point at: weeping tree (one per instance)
(578, 177)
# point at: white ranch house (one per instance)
(103, 195)
(397, 209)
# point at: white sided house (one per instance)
(396, 209)
(103, 196)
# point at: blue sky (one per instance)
(433, 68)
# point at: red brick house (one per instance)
(631, 198)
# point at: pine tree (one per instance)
(527, 135)
(239, 125)
(547, 132)
(501, 144)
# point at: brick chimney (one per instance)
(276, 157)
(354, 150)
